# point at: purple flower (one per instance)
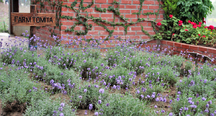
(155, 106)
(207, 105)
(101, 91)
(85, 112)
(96, 86)
(142, 96)
(62, 104)
(102, 64)
(157, 99)
(90, 106)
(170, 101)
(60, 109)
(203, 99)
(99, 101)
(51, 81)
(177, 99)
(61, 73)
(85, 90)
(96, 113)
(138, 92)
(193, 106)
(84, 61)
(205, 81)
(61, 114)
(210, 102)
(162, 111)
(212, 114)
(170, 114)
(80, 97)
(107, 104)
(179, 92)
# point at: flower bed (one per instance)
(121, 81)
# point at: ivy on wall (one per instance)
(82, 19)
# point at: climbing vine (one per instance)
(82, 19)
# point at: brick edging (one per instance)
(177, 48)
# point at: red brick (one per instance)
(193, 48)
(126, 2)
(176, 44)
(153, 7)
(93, 32)
(106, 15)
(64, 9)
(130, 16)
(152, 16)
(104, 33)
(100, 1)
(87, 0)
(136, 2)
(212, 50)
(121, 28)
(149, 2)
(131, 33)
(145, 37)
(98, 28)
(124, 11)
(147, 28)
(118, 33)
(105, 5)
(203, 49)
(134, 37)
(145, 7)
(170, 43)
(95, 15)
(185, 46)
(163, 42)
(131, 6)
(140, 33)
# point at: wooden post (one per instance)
(33, 10)
(14, 7)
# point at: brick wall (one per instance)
(127, 7)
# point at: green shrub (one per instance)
(84, 94)
(48, 107)
(118, 76)
(187, 104)
(119, 105)
(194, 10)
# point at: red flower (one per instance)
(206, 27)
(189, 21)
(200, 23)
(180, 22)
(170, 16)
(204, 21)
(186, 29)
(173, 34)
(193, 23)
(211, 27)
(204, 36)
(195, 26)
(159, 24)
(199, 34)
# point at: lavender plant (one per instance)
(120, 105)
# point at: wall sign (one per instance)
(33, 19)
